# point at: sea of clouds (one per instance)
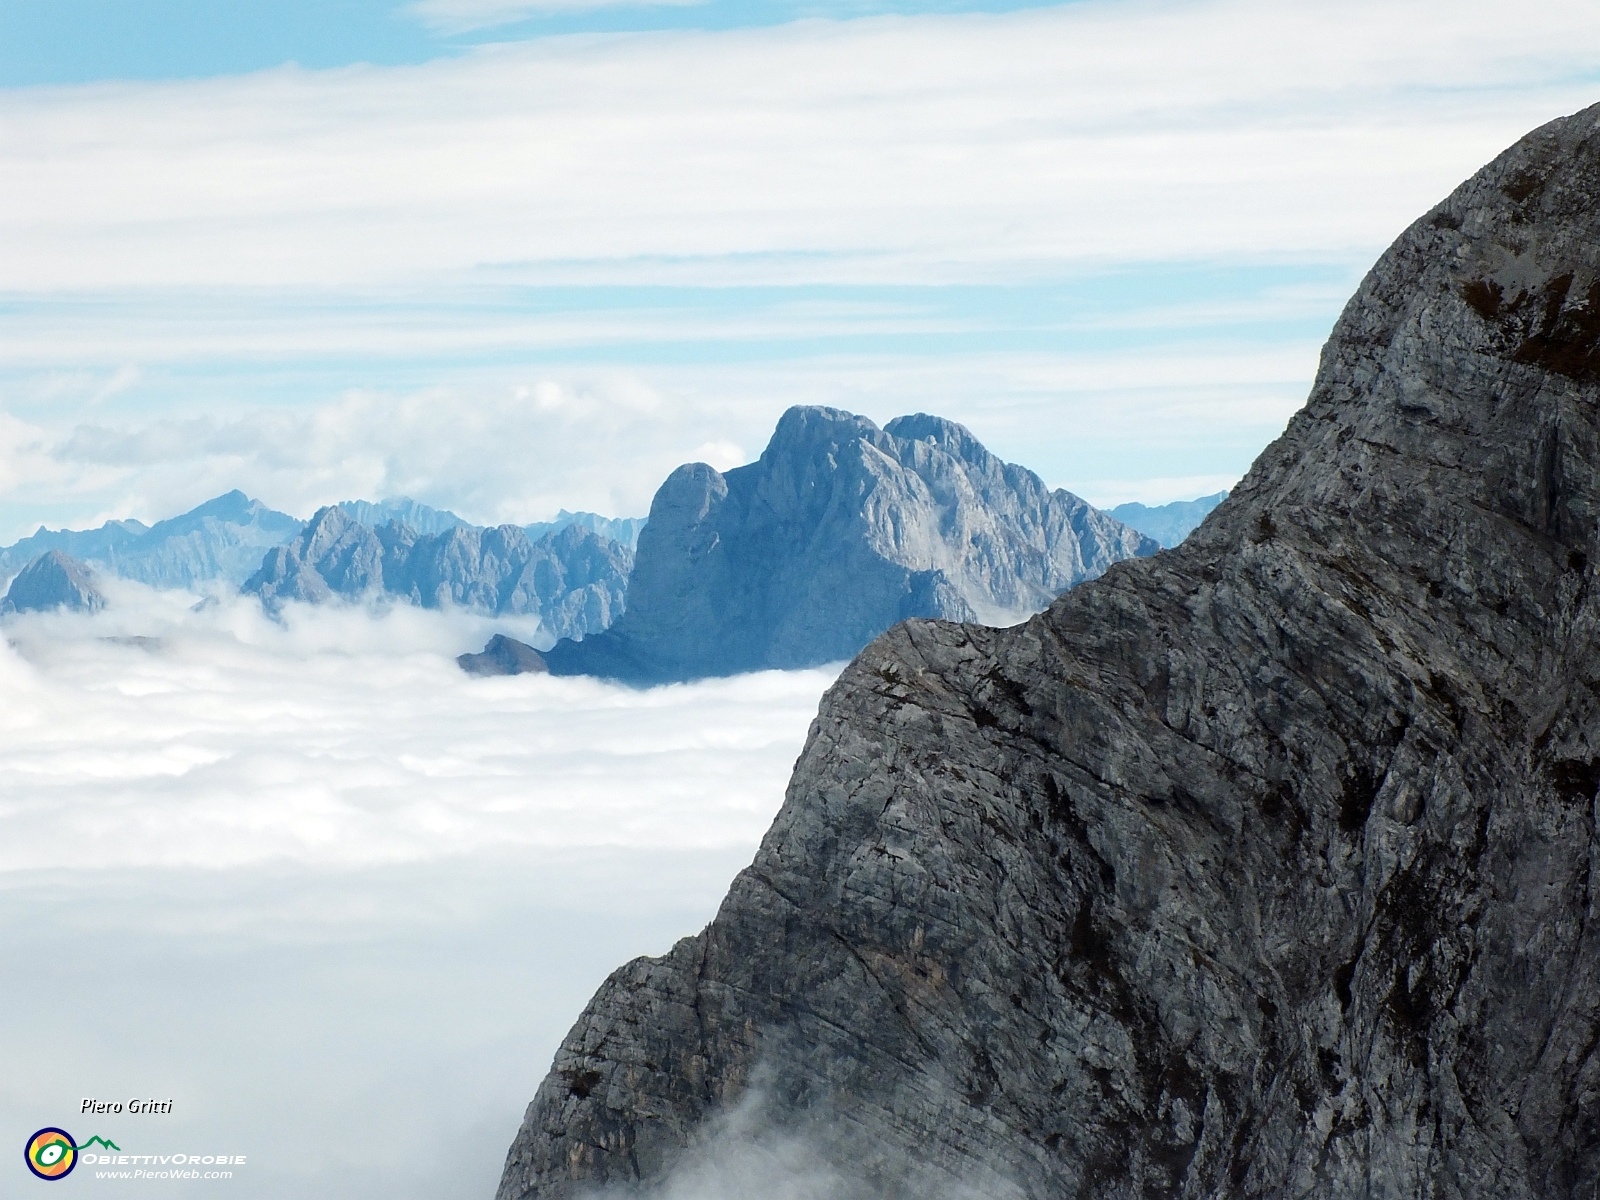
(333, 897)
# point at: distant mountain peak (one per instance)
(51, 581)
(222, 539)
(839, 530)
(423, 518)
(1169, 523)
(229, 504)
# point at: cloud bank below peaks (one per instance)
(347, 737)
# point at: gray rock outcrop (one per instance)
(51, 581)
(222, 539)
(573, 579)
(838, 531)
(503, 656)
(1265, 867)
(1169, 524)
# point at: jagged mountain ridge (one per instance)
(223, 538)
(1261, 868)
(427, 520)
(573, 579)
(838, 531)
(625, 530)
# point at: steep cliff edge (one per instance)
(838, 531)
(1261, 868)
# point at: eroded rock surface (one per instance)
(1261, 868)
(838, 531)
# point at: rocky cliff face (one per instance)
(837, 532)
(573, 578)
(1262, 868)
(53, 580)
(221, 539)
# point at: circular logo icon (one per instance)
(51, 1154)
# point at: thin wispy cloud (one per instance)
(261, 242)
(913, 148)
(463, 16)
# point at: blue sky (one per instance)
(509, 257)
(84, 41)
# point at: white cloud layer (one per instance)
(336, 899)
(348, 739)
(902, 148)
(362, 1034)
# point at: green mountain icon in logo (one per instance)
(99, 1141)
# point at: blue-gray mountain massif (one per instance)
(221, 539)
(837, 532)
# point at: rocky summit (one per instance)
(51, 581)
(503, 656)
(838, 531)
(1260, 868)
